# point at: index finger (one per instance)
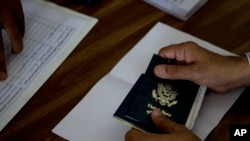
(179, 52)
(3, 71)
(135, 135)
(15, 36)
(162, 122)
(169, 51)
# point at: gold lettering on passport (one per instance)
(151, 107)
(165, 95)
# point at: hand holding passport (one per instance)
(179, 100)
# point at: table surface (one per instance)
(121, 25)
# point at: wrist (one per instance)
(248, 57)
(245, 70)
(239, 73)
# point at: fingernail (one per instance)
(3, 76)
(157, 112)
(159, 70)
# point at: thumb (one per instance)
(162, 122)
(173, 72)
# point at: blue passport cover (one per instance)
(175, 98)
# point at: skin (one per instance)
(217, 72)
(173, 131)
(12, 20)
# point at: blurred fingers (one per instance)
(19, 17)
(3, 71)
(174, 72)
(15, 35)
(162, 122)
(135, 135)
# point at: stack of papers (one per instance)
(182, 9)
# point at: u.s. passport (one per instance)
(178, 100)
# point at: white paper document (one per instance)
(91, 119)
(182, 9)
(51, 34)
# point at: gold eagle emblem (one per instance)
(165, 95)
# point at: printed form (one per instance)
(52, 33)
